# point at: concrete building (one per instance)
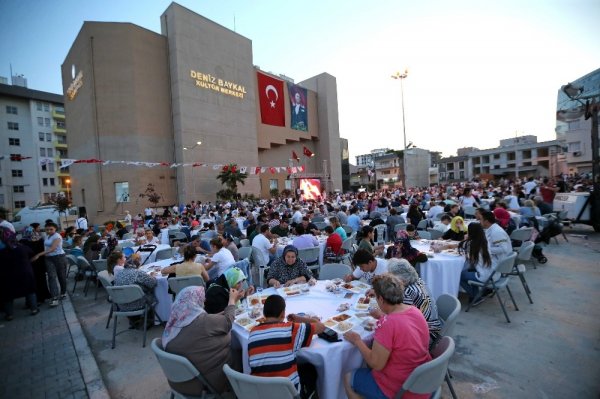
(367, 159)
(142, 96)
(346, 173)
(572, 129)
(34, 139)
(452, 169)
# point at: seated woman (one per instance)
(77, 246)
(402, 248)
(337, 227)
(528, 210)
(457, 230)
(478, 262)
(147, 283)
(204, 339)
(400, 344)
(115, 263)
(148, 238)
(217, 293)
(289, 269)
(417, 294)
(414, 214)
(366, 243)
(188, 267)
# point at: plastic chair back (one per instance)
(320, 225)
(72, 260)
(425, 235)
(176, 284)
(257, 258)
(381, 231)
(245, 252)
(422, 224)
(252, 387)
(525, 251)
(100, 265)
(428, 377)
(347, 229)
(166, 253)
(505, 266)
(309, 255)
(347, 244)
(374, 215)
(400, 226)
(448, 308)
(83, 263)
(329, 271)
(105, 278)
(522, 234)
(434, 234)
(124, 294)
(245, 242)
(318, 219)
(469, 211)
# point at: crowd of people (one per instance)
(201, 319)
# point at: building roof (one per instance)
(29, 94)
(454, 159)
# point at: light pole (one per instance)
(193, 180)
(401, 77)
(68, 182)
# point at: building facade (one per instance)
(34, 139)
(189, 97)
(572, 129)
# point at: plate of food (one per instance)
(257, 300)
(293, 290)
(362, 304)
(452, 252)
(341, 317)
(330, 323)
(360, 285)
(245, 322)
(351, 288)
(343, 326)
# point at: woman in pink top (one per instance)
(401, 344)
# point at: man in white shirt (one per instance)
(164, 234)
(264, 245)
(220, 261)
(304, 239)
(148, 213)
(435, 210)
(82, 222)
(368, 266)
(297, 216)
(498, 240)
(529, 186)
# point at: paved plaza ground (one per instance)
(551, 349)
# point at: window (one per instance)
(18, 189)
(288, 184)
(13, 126)
(17, 173)
(46, 107)
(38, 105)
(496, 156)
(122, 191)
(19, 204)
(575, 146)
(45, 181)
(451, 175)
(51, 181)
(13, 141)
(48, 137)
(47, 122)
(41, 135)
(273, 184)
(11, 110)
(461, 175)
(42, 152)
(49, 152)
(461, 165)
(50, 167)
(573, 125)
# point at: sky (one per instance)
(478, 71)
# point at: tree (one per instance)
(230, 176)
(274, 192)
(151, 195)
(62, 204)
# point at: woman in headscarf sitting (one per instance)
(403, 249)
(217, 294)
(457, 230)
(289, 269)
(204, 339)
(417, 294)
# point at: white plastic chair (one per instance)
(469, 212)
(425, 235)
(163, 254)
(381, 232)
(122, 295)
(244, 253)
(329, 271)
(524, 255)
(400, 226)
(245, 242)
(434, 234)
(448, 308)
(422, 224)
(98, 266)
(310, 256)
(176, 284)
(261, 265)
(251, 387)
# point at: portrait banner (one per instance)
(298, 107)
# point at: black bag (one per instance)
(329, 335)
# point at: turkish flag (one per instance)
(270, 97)
(308, 152)
(295, 156)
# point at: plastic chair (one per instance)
(422, 225)
(400, 226)
(381, 230)
(310, 256)
(318, 219)
(425, 235)
(329, 271)
(428, 377)
(98, 266)
(469, 212)
(374, 215)
(524, 255)
(448, 310)
(504, 268)
(176, 284)
(122, 295)
(251, 387)
(260, 264)
(72, 261)
(179, 369)
(107, 281)
(84, 267)
(523, 234)
(245, 242)
(347, 229)
(434, 234)
(321, 225)
(163, 254)
(244, 253)
(177, 236)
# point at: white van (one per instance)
(39, 214)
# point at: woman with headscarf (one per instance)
(91, 247)
(217, 294)
(203, 338)
(32, 238)
(403, 249)
(16, 274)
(416, 294)
(457, 230)
(289, 269)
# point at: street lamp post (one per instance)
(193, 179)
(68, 182)
(401, 77)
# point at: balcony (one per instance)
(60, 144)
(63, 173)
(59, 129)
(58, 113)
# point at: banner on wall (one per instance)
(298, 107)
(271, 100)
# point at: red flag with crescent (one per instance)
(308, 152)
(271, 99)
(295, 156)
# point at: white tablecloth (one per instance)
(332, 360)
(161, 291)
(442, 272)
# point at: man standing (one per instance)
(548, 191)
(82, 222)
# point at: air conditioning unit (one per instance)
(577, 153)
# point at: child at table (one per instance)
(274, 344)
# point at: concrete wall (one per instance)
(121, 112)
(223, 123)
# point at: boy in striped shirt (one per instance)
(273, 345)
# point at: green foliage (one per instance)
(151, 195)
(286, 193)
(230, 179)
(226, 194)
(274, 192)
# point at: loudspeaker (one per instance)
(82, 211)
